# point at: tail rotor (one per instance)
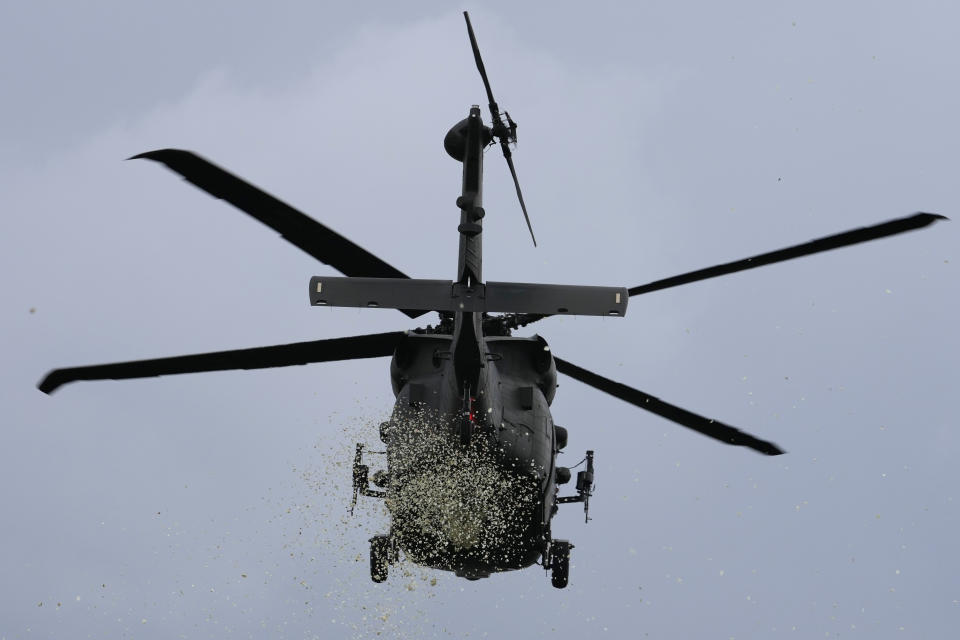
(504, 133)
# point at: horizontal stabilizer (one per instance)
(444, 295)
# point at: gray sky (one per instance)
(654, 139)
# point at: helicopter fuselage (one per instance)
(491, 397)
(472, 485)
(471, 480)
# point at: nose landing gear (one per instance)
(557, 554)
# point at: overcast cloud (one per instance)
(654, 139)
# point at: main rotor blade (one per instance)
(479, 60)
(863, 234)
(284, 355)
(711, 428)
(855, 236)
(516, 183)
(321, 242)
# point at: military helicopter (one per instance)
(472, 400)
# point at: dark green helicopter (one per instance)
(471, 479)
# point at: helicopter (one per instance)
(471, 481)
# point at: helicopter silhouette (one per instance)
(471, 481)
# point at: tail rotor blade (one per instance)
(516, 183)
(480, 67)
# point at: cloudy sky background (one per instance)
(654, 139)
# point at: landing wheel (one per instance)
(560, 563)
(379, 557)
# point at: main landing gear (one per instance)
(383, 553)
(383, 548)
(557, 555)
(559, 564)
